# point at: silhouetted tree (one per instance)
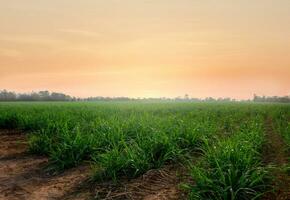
(285, 99)
(34, 96)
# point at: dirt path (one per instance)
(22, 177)
(274, 153)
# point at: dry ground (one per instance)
(22, 176)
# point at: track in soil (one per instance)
(22, 177)
(274, 153)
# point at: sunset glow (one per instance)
(146, 48)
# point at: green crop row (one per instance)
(281, 120)
(231, 167)
(130, 138)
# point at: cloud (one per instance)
(31, 39)
(80, 32)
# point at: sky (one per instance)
(146, 48)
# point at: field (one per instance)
(146, 150)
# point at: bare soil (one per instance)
(275, 154)
(156, 184)
(23, 177)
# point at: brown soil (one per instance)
(22, 176)
(156, 184)
(274, 153)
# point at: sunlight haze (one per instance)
(146, 48)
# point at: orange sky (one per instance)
(146, 48)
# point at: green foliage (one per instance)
(130, 138)
(71, 149)
(40, 143)
(231, 167)
(282, 123)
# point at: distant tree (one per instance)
(210, 99)
(285, 99)
(34, 96)
(55, 96)
(44, 95)
(7, 96)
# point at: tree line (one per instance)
(56, 96)
(284, 99)
(34, 96)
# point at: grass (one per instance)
(282, 126)
(231, 168)
(126, 139)
(282, 123)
